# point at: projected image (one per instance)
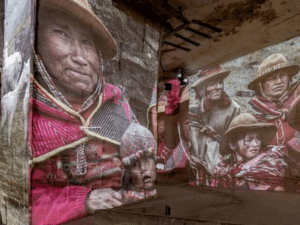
(210, 116)
(170, 124)
(89, 150)
(255, 150)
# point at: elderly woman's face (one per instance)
(248, 147)
(67, 48)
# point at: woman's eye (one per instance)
(86, 42)
(62, 33)
(249, 140)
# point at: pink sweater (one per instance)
(57, 195)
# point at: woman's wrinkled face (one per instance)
(67, 48)
(249, 146)
(276, 85)
(143, 174)
(214, 90)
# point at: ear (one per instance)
(233, 146)
(202, 91)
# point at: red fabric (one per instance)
(271, 112)
(56, 198)
(173, 97)
(52, 128)
(264, 172)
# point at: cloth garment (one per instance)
(57, 194)
(269, 111)
(177, 160)
(205, 145)
(264, 172)
(173, 97)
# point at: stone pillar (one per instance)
(14, 152)
(135, 68)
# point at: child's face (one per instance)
(143, 174)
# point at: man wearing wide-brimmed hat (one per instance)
(77, 119)
(210, 117)
(247, 161)
(275, 92)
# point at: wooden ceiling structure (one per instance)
(201, 34)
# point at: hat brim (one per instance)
(204, 80)
(104, 40)
(267, 130)
(291, 71)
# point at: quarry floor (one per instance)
(222, 206)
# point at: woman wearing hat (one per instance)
(210, 117)
(77, 119)
(274, 95)
(247, 162)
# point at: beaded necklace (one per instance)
(81, 164)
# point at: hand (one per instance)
(165, 155)
(102, 199)
(208, 130)
(197, 163)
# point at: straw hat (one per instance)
(210, 75)
(243, 123)
(274, 63)
(82, 10)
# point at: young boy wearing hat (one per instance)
(138, 152)
(210, 117)
(247, 162)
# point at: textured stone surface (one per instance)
(13, 148)
(135, 67)
(247, 26)
(134, 70)
(243, 70)
(1, 32)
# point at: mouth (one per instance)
(147, 179)
(279, 88)
(254, 150)
(77, 73)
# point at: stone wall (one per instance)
(14, 152)
(243, 70)
(135, 68)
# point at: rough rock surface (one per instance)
(135, 67)
(134, 70)
(243, 70)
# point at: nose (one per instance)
(219, 85)
(143, 167)
(278, 79)
(255, 142)
(78, 54)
